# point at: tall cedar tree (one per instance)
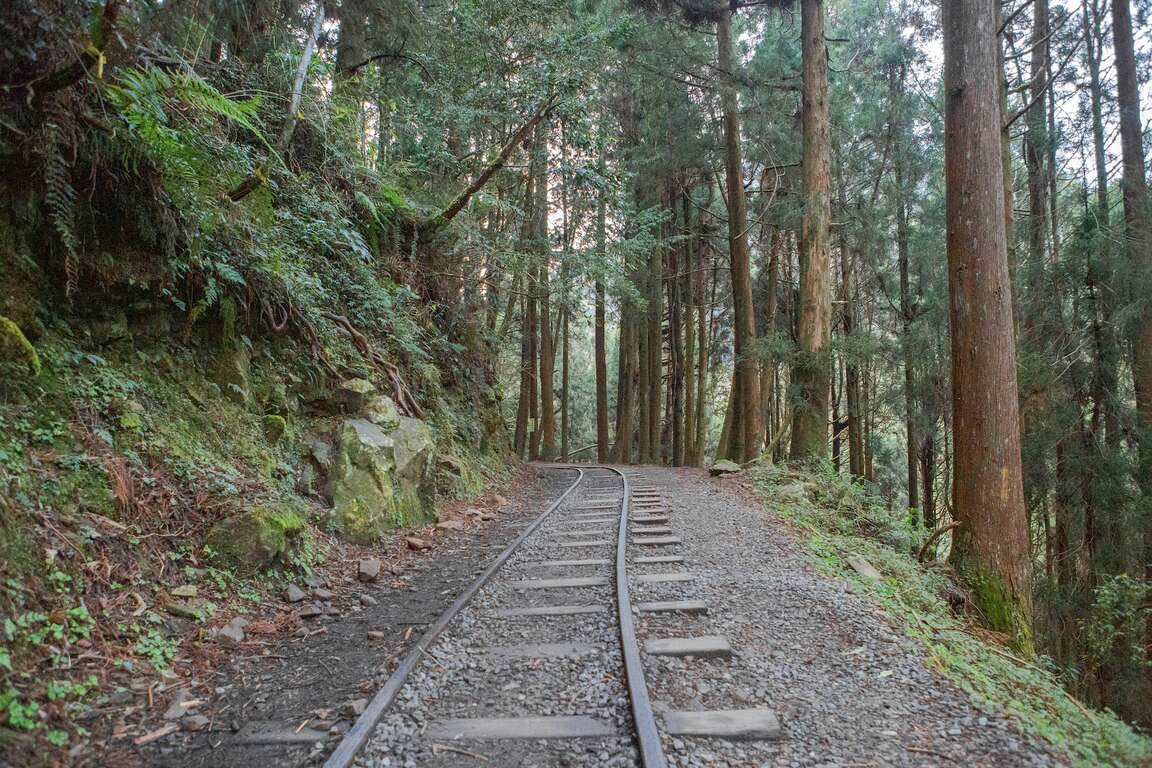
(812, 371)
(991, 546)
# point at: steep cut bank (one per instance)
(208, 384)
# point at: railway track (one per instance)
(571, 689)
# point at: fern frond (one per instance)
(59, 194)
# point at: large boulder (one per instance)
(724, 467)
(380, 480)
(255, 538)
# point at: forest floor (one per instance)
(302, 679)
(814, 640)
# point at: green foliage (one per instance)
(157, 649)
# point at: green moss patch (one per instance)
(14, 346)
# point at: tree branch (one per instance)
(443, 218)
(253, 179)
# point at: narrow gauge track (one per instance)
(599, 491)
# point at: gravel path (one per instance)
(848, 689)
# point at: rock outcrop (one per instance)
(381, 478)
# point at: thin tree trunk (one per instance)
(1101, 274)
(675, 341)
(907, 315)
(690, 299)
(600, 354)
(703, 328)
(851, 367)
(991, 548)
(744, 437)
(1138, 233)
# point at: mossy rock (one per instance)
(360, 485)
(381, 411)
(274, 428)
(724, 467)
(381, 480)
(15, 347)
(353, 394)
(254, 539)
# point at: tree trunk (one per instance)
(1138, 232)
(690, 298)
(1101, 271)
(703, 331)
(851, 367)
(655, 350)
(907, 315)
(601, 361)
(811, 373)
(744, 435)
(547, 350)
(675, 341)
(991, 548)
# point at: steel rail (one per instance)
(651, 751)
(358, 735)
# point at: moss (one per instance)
(254, 539)
(274, 427)
(15, 345)
(1000, 609)
(409, 508)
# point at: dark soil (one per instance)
(297, 692)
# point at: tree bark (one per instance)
(812, 371)
(907, 315)
(599, 353)
(991, 547)
(1138, 234)
(744, 438)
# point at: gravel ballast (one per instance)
(816, 675)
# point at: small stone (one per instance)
(322, 594)
(354, 708)
(233, 631)
(376, 635)
(195, 723)
(311, 611)
(293, 594)
(450, 525)
(184, 590)
(368, 569)
(416, 544)
(313, 581)
(863, 567)
(368, 601)
(178, 708)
